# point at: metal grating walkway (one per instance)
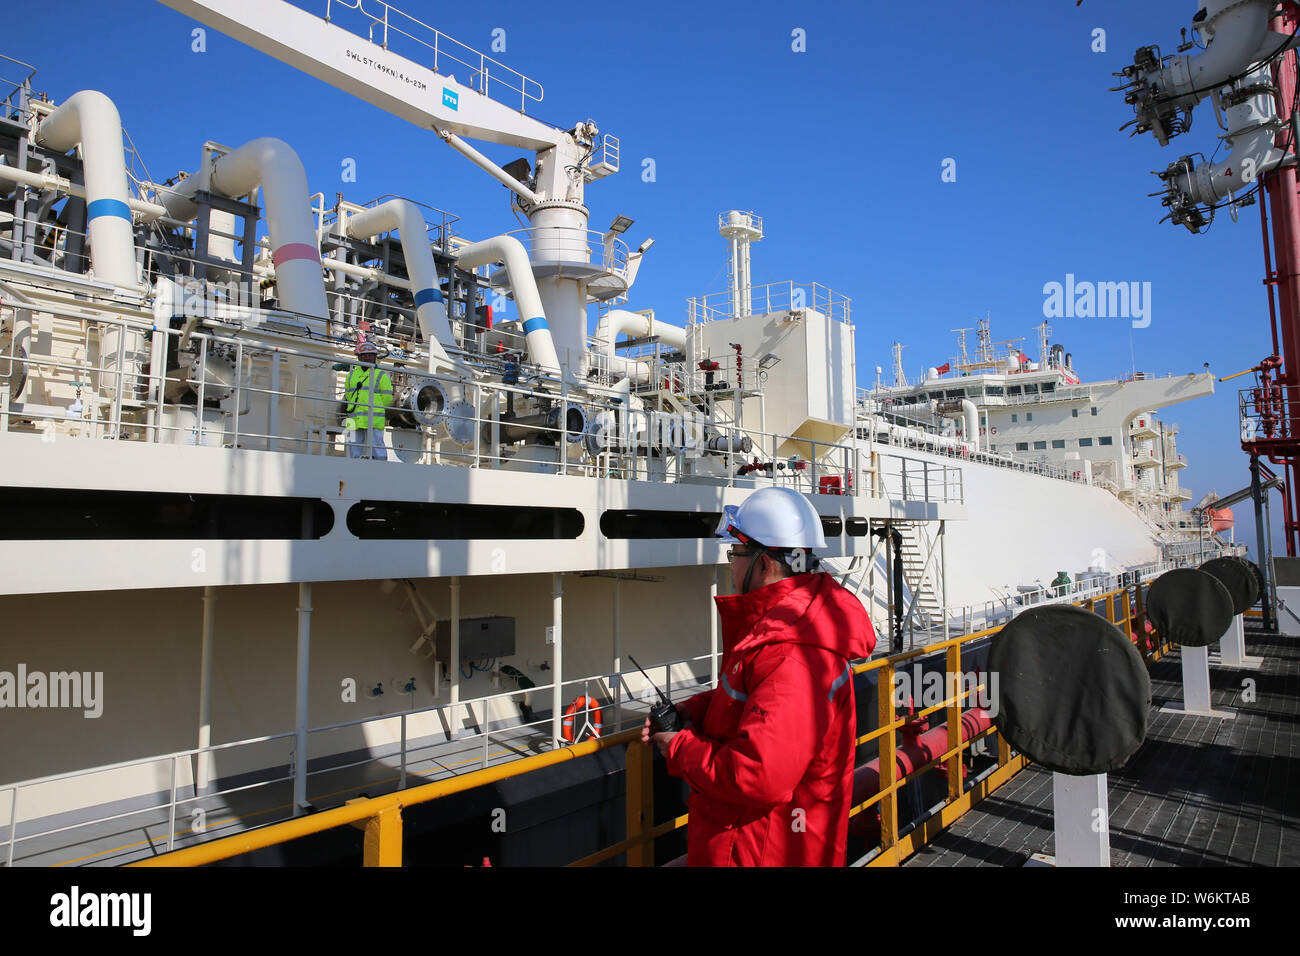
(1199, 792)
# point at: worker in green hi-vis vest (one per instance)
(368, 392)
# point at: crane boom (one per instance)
(370, 72)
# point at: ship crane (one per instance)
(550, 191)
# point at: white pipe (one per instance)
(273, 165)
(492, 169)
(1239, 31)
(147, 210)
(972, 423)
(361, 272)
(1252, 128)
(509, 250)
(635, 370)
(618, 321)
(91, 119)
(430, 309)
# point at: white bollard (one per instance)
(1233, 648)
(1081, 816)
(1196, 686)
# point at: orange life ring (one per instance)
(576, 705)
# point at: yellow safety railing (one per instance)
(1120, 607)
(381, 817)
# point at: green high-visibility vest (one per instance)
(364, 391)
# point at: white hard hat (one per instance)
(773, 518)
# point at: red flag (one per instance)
(945, 368)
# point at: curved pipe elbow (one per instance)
(1238, 36)
(511, 252)
(92, 119)
(295, 248)
(1253, 155)
(618, 321)
(405, 217)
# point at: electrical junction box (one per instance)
(481, 638)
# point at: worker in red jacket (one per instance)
(769, 752)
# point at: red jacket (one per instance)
(769, 755)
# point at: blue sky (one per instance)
(839, 148)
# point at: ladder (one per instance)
(915, 547)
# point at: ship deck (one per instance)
(1201, 791)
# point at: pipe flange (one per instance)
(571, 204)
(601, 433)
(427, 403)
(575, 423)
(461, 422)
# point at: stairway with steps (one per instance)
(915, 548)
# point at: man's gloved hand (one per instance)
(661, 740)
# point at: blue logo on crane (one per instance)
(450, 98)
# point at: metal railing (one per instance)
(880, 431)
(381, 817)
(773, 297)
(1269, 416)
(294, 370)
(999, 610)
(913, 479)
(384, 24)
(16, 84)
(884, 397)
(1124, 608)
(437, 222)
(496, 738)
(568, 244)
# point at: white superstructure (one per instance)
(1105, 433)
